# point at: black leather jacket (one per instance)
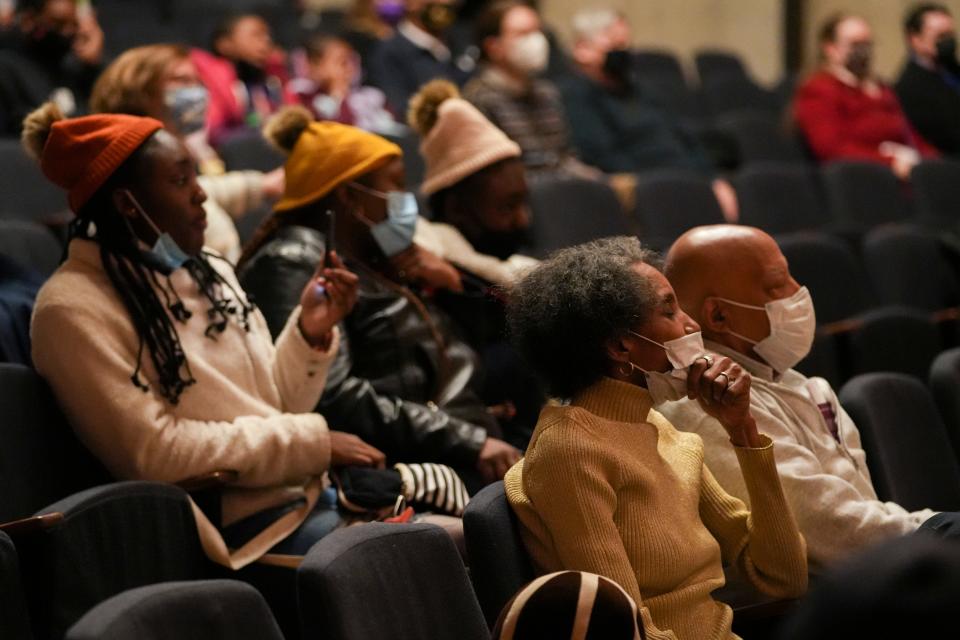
(392, 383)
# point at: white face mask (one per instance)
(530, 53)
(681, 352)
(793, 326)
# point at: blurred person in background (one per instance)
(160, 81)
(620, 128)
(245, 75)
(846, 113)
(418, 52)
(508, 91)
(53, 51)
(929, 86)
(331, 88)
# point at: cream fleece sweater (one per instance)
(826, 480)
(249, 410)
(448, 243)
(610, 487)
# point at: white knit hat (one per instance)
(458, 140)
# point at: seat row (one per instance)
(81, 555)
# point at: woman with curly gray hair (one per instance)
(608, 485)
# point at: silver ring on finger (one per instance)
(706, 358)
(726, 377)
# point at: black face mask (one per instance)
(501, 244)
(50, 46)
(618, 65)
(947, 53)
(437, 17)
(859, 59)
(248, 73)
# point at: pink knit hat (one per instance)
(458, 140)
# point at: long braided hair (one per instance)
(148, 295)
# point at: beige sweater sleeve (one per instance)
(237, 192)
(87, 359)
(765, 544)
(578, 509)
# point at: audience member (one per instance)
(736, 284)
(331, 88)
(406, 381)
(54, 53)
(619, 128)
(245, 75)
(477, 190)
(567, 605)
(845, 113)
(508, 92)
(476, 185)
(158, 358)
(418, 52)
(160, 81)
(929, 86)
(608, 485)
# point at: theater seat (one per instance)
(945, 386)
(209, 609)
(761, 137)
(894, 339)
(25, 193)
(499, 564)
(100, 542)
(828, 267)
(863, 195)
(908, 452)
(41, 460)
(907, 267)
(780, 198)
(30, 245)
(249, 151)
(570, 211)
(936, 196)
(671, 201)
(13, 610)
(382, 580)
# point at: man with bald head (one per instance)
(735, 282)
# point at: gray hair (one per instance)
(587, 24)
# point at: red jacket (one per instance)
(841, 122)
(229, 100)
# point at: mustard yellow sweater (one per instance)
(609, 486)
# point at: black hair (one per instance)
(138, 284)
(489, 23)
(913, 23)
(562, 313)
(228, 23)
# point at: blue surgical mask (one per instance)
(165, 255)
(188, 108)
(395, 234)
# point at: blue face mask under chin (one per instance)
(395, 234)
(165, 255)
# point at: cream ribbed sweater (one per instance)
(609, 486)
(250, 409)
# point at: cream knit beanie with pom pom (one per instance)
(457, 140)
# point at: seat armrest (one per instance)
(26, 526)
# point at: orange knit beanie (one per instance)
(80, 154)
